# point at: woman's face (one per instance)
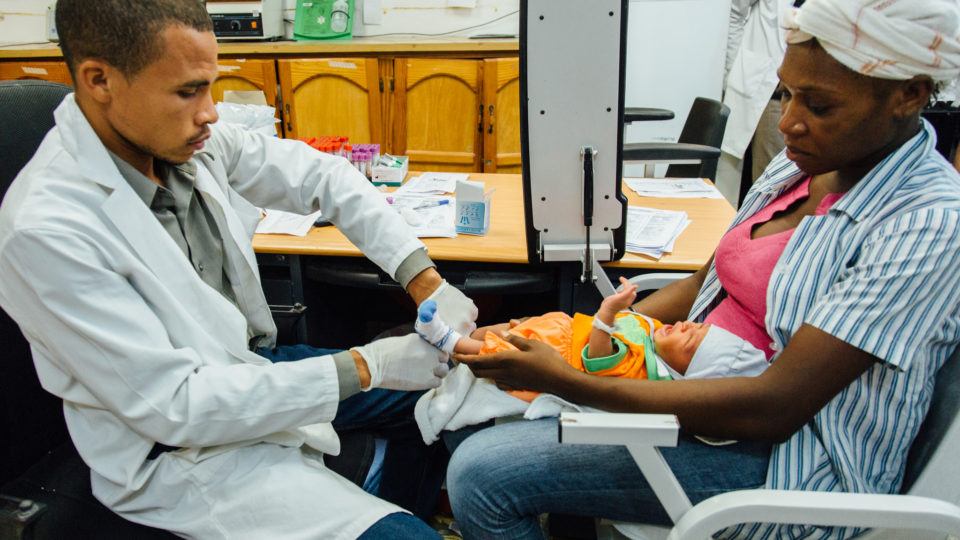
(834, 119)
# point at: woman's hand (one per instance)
(533, 366)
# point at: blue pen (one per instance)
(431, 204)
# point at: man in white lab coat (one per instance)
(755, 48)
(126, 260)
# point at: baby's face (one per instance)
(676, 343)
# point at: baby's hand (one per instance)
(622, 299)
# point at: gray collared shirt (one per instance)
(182, 213)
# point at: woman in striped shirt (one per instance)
(844, 254)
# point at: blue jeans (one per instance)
(500, 479)
(398, 527)
(412, 472)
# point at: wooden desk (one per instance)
(505, 242)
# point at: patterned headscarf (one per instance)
(887, 39)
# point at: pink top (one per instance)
(744, 266)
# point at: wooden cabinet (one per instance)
(43, 70)
(332, 96)
(501, 115)
(436, 113)
(246, 75)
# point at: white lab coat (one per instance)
(141, 349)
(753, 74)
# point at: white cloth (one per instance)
(882, 38)
(140, 349)
(404, 363)
(752, 76)
(464, 400)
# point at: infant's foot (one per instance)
(433, 329)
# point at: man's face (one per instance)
(676, 343)
(832, 118)
(164, 110)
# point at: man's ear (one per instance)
(912, 96)
(97, 79)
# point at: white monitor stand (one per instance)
(572, 56)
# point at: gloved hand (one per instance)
(457, 309)
(404, 363)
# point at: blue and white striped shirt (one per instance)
(880, 271)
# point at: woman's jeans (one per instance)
(500, 479)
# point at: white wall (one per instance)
(23, 21)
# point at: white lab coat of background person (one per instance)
(124, 330)
(752, 75)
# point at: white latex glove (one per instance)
(404, 363)
(455, 308)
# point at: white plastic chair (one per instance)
(927, 506)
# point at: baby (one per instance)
(613, 343)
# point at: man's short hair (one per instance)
(122, 33)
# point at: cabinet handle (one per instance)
(490, 129)
(491, 111)
(381, 85)
(391, 85)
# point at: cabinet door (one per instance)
(47, 71)
(436, 120)
(331, 96)
(501, 115)
(246, 75)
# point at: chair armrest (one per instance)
(817, 508)
(641, 434)
(645, 114)
(668, 152)
(619, 429)
(656, 280)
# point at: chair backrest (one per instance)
(933, 464)
(32, 418)
(705, 125)
(26, 114)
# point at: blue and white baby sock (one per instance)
(433, 329)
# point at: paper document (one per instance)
(674, 188)
(653, 232)
(429, 216)
(432, 183)
(280, 222)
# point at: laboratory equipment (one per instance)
(246, 19)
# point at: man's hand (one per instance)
(456, 309)
(403, 363)
(533, 366)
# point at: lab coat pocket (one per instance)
(749, 73)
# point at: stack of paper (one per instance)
(280, 222)
(429, 216)
(674, 188)
(434, 183)
(652, 232)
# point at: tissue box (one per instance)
(473, 207)
(390, 175)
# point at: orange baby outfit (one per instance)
(570, 335)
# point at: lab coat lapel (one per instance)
(239, 260)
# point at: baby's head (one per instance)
(677, 343)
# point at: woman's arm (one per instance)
(813, 368)
(673, 302)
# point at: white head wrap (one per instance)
(888, 39)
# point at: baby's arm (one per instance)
(600, 343)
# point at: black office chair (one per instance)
(699, 140)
